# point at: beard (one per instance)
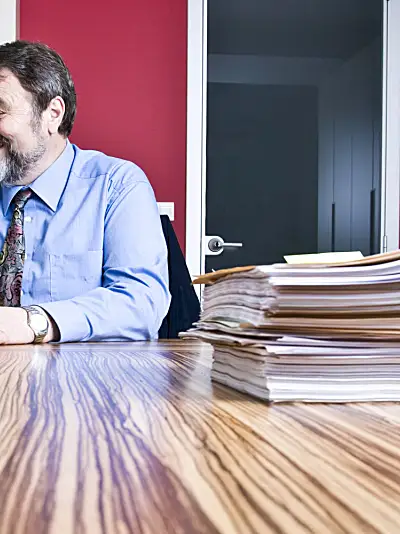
(15, 165)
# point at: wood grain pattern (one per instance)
(134, 438)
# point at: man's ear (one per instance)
(54, 114)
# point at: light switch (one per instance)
(167, 208)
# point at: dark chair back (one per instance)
(185, 307)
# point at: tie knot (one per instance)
(22, 197)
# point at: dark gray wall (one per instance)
(302, 28)
(258, 49)
(350, 111)
(262, 171)
(269, 70)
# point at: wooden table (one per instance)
(134, 438)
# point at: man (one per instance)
(83, 257)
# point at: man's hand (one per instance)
(14, 328)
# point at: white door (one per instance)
(293, 129)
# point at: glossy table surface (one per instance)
(134, 438)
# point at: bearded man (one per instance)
(83, 256)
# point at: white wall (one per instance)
(8, 20)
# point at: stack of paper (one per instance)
(309, 333)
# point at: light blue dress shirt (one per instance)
(96, 258)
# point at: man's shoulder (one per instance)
(92, 164)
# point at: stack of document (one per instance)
(306, 332)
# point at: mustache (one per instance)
(5, 142)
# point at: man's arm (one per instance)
(14, 329)
(134, 298)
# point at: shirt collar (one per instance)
(50, 185)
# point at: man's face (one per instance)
(22, 134)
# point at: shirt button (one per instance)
(28, 219)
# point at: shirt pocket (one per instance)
(72, 275)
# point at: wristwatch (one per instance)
(38, 322)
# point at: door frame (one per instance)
(196, 135)
(197, 126)
(390, 197)
(9, 20)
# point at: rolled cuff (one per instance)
(70, 319)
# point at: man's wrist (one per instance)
(52, 333)
(26, 334)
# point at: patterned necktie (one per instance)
(12, 256)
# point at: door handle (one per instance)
(216, 245)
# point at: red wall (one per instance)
(128, 60)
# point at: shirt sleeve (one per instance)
(134, 297)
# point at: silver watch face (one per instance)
(38, 323)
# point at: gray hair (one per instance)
(43, 73)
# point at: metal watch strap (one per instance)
(39, 334)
